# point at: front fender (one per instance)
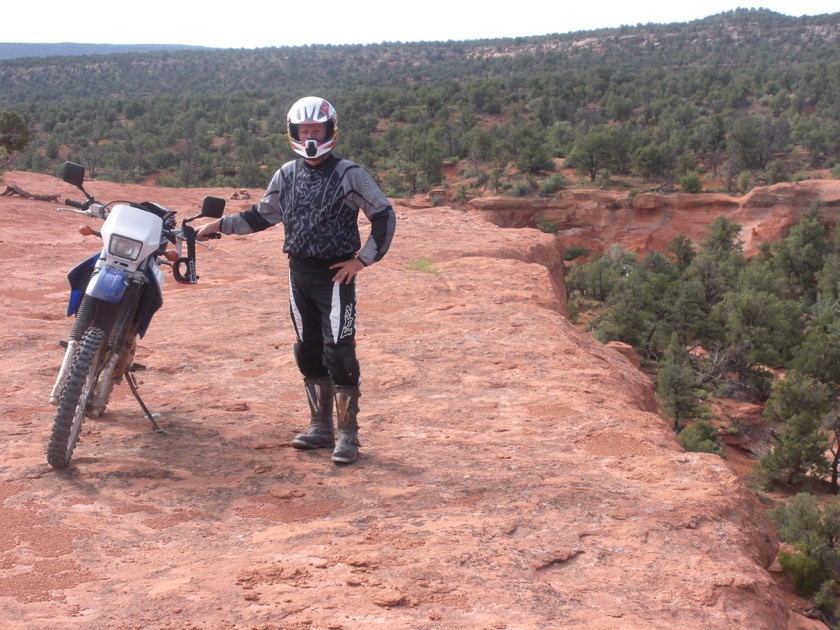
(151, 300)
(79, 276)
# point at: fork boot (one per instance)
(346, 409)
(320, 434)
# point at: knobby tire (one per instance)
(81, 380)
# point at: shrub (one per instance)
(552, 184)
(574, 251)
(777, 172)
(690, 182)
(423, 265)
(574, 311)
(805, 571)
(700, 437)
(544, 225)
(744, 182)
(522, 188)
(461, 195)
(811, 558)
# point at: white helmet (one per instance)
(312, 109)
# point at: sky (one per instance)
(257, 24)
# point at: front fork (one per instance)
(55, 395)
(122, 343)
(84, 318)
(111, 374)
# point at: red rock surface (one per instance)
(597, 219)
(514, 473)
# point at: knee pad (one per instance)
(309, 360)
(342, 364)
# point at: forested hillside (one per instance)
(737, 98)
(18, 50)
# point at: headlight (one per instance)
(123, 247)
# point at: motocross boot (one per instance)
(320, 434)
(347, 409)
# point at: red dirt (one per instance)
(513, 474)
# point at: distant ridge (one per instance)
(68, 49)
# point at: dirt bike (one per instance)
(113, 295)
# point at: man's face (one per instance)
(312, 131)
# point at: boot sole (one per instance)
(311, 447)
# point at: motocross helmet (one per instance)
(312, 109)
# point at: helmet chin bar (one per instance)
(311, 148)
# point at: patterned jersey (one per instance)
(319, 209)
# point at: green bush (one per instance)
(574, 251)
(552, 184)
(574, 311)
(544, 225)
(812, 557)
(423, 265)
(805, 571)
(744, 182)
(690, 182)
(827, 600)
(777, 172)
(522, 188)
(700, 437)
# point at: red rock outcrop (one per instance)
(513, 474)
(648, 221)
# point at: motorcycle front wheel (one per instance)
(81, 379)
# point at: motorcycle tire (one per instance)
(81, 379)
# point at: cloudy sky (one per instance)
(257, 24)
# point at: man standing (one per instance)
(317, 198)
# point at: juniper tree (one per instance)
(795, 409)
(676, 383)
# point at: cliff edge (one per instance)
(513, 472)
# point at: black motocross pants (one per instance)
(323, 314)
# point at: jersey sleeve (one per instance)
(380, 213)
(262, 215)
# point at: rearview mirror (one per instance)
(212, 207)
(73, 174)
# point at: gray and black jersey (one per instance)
(319, 208)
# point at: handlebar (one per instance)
(183, 267)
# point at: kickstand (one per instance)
(132, 385)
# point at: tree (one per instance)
(797, 405)
(813, 563)
(818, 355)
(533, 155)
(640, 308)
(676, 383)
(710, 142)
(653, 161)
(801, 255)
(14, 135)
(746, 143)
(599, 149)
(720, 260)
(763, 324)
(599, 278)
(681, 248)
